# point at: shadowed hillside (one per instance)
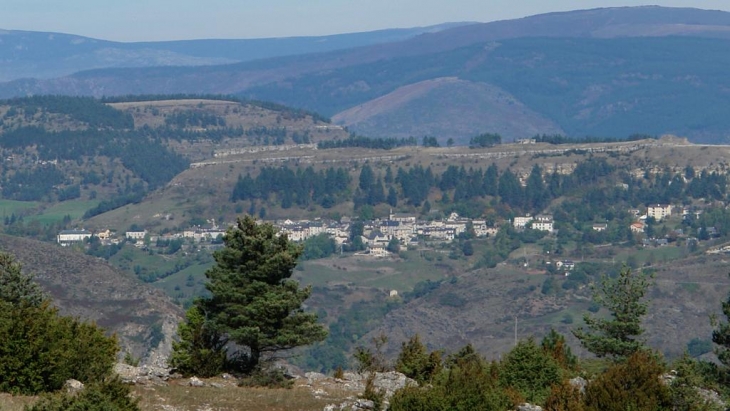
(86, 287)
(43, 55)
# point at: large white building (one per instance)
(543, 223)
(136, 235)
(659, 211)
(66, 237)
(521, 222)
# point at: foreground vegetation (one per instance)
(41, 350)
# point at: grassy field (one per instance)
(73, 208)
(179, 285)
(9, 207)
(15, 402)
(184, 398)
(394, 273)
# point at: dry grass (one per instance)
(179, 397)
(15, 402)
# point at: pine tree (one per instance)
(618, 335)
(721, 335)
(16, 287)
(254, 301)
(416, 362)
(201, 350)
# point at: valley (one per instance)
(521, 214)
(394, 237)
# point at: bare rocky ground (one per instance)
(157, 389)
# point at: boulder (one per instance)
(579, 383)
(391, 381)
(73, 386)
(313, 377)
(196, 382)
(712, 398)
(528, 407)
(385, 382)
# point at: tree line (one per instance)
(300, 187)
(290, 112)
(91, 111)
(368, 142)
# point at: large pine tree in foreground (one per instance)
(254, 302)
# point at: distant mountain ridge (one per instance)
(599, 72)
(29, 54)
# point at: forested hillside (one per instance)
(105, 154)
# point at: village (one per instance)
(378, 236)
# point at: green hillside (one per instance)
(73, 157)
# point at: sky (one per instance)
(156, 20)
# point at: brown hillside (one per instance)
(89, 288)
(682, 300)
(437, 104)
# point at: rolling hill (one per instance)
(604, 72)
(28, 54)
(449, 108)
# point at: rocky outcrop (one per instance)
(386, 383)
(144, 375)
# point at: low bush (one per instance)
(109, 394)
(631, 385)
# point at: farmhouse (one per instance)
(637, 227)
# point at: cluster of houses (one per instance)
(657, 211)
(196, 234)
(379, 233)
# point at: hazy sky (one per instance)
(136, 20)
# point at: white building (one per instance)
(659, 211)
(521, 222)
(136, 235)
(66, 237)
(403, 218)
(543, 223)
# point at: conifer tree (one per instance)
(721, 335)
(254, 301)
(201, 350)
(17, 287)
(617, 336)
